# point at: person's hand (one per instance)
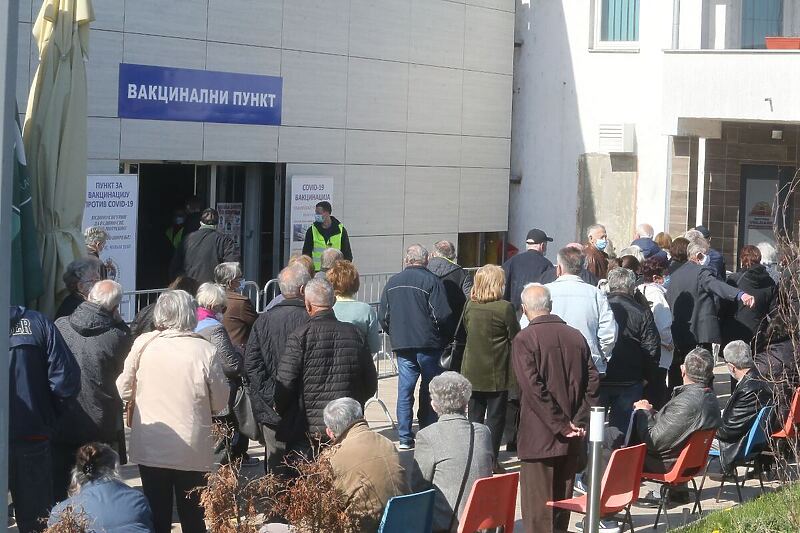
(571, 431)
(748, 300)
(643, 404)
(668, 347)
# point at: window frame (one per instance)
(597, 44)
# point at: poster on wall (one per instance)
(230, 223)
(307, 192)
(112, 202)
(759, 214)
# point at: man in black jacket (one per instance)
(265, 349)
(692, 296)
(415, 313)
(636, 352)
(527, 267)
(100, 341)
(43, 375)
(752, 393)
(201, 251)
(324, 360)
(457, 284)
(693, 407)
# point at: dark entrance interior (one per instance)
(759, 212)
(163, 189)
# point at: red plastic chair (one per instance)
(789, 429)
(619, 488)
(492, 503)
(690, 462)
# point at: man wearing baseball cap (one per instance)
(527, 267)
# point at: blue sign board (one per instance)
(165, 93)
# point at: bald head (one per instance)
(292, 279)
(536, 300)
(107, 294)
(645, 231)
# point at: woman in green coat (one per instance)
(491, 324)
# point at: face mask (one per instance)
(319, 218)
(179, 220)
(706, 260)
(666, 282)
(601, 244)
(730, 371)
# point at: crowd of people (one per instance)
(514, 354)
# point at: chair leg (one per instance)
(738, 485)
(661, 505)
(721, 485)
(667, 490)
(697, 506)
(628, 518)
(759, 469)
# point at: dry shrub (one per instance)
(70, 521)
(309, 501)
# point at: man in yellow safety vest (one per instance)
(326, 232)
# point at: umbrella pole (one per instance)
(9, 12)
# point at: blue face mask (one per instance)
(706, 260)
(666, 281)
(601, 244)
(319, 218)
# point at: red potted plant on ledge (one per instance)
(783, 43)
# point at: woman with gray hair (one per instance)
(211, 304)
(451, 454)
(240, 315)
(79, 277)
(107, 502)
(173, 383)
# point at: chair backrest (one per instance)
(693, 457)
(413, 512)
(793, 419)
(757, 436)
(491, 504)
(622, 479)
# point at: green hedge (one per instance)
(768, 514)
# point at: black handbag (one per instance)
(451, 350)
(243, 411)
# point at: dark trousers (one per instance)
(655, 391)
(619, 400)
(30, 482)
(543, 480)
(160, 485)
(234, 443)
(490, 408)
(63, 463)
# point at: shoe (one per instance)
(497, 468)
(250, 461)
(578, 486)
(406, 445)
(606, 526)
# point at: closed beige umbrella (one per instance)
(55, 138)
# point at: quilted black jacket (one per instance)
(324, 360)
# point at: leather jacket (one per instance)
(750, 395)
(693, 407)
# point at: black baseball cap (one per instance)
(704, 231)
(537, 236)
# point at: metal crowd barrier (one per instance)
(133, 302)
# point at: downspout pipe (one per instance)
(676, 24)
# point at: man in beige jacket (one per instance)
(366, 464)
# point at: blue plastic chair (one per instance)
(749, 455)
(413, 512)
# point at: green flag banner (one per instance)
(26, 269)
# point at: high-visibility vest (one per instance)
(174, 237)
(320, 244)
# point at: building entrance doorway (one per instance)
(759, 212)
(249, 197)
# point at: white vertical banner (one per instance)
(307, 192)
(112, 202)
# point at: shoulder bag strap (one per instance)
(466, 475)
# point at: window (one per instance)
(619, 20)
(761, 18)
(616, 25)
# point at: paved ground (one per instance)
(642, 517)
